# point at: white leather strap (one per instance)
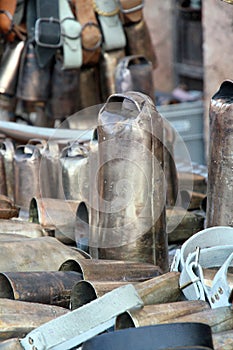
(111, 26)
(212, 247)
(71, 33)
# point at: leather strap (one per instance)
(71, 33)
(182, 336)
(7, 10)
(212, 247)
(47, 30)
(112, 29)
(131, 11)
(91, 33)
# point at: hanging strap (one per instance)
(112, 29)
(47, 30)
(91, 33)
(71, 33)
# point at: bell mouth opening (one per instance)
(82, 227)
(6, 288)
(225, 91)
(34, 212)
(83, 292)
(125, 320)
(71, 265)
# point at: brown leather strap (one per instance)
(91, 34)
(7, 10)
(131, 11)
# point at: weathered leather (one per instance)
(71, 34)
(7, 10)
(111, 26)
(91, 33)
(131, 11)
(180, 336)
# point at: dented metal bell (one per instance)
(130, 181)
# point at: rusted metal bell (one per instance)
(135, 73)
(90, 92)
(139, 41)
(108, 270)
(34, 82)
(154, 314)
(66, 217)
(10, 67)
(39, 287)
(130, 181)
(35, 254)
(7, 150)
(20, 317)
(75, 174)
(65, 84)
(220, 163)
(50, 175)
(26, 175)
(161, 289)
(108, 63)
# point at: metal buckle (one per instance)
(38, 24)
(99, 42)
(132, 9)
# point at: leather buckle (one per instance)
(39, 23)
(132, 9)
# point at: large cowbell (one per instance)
(130, 182)
(220, 163)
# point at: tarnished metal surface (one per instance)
(130, 181)
(35, 254)
(191, 200)
(19, 227)
(108, 65)
(39, 287)
(161, 289)
(219, 319)
(58, 214)
(75, 171)
(220, 180)
(11, 344)
(154, 314)
(21, 132)
(26, 175)
(7, 150)
(109, 270)
(9, 67)
(50, 176)
(7, 208)
(139, 41)
(20, 317)
(135, 73)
